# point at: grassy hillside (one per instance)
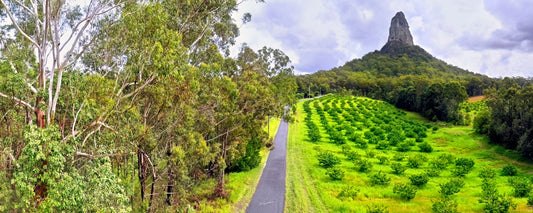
(362, 131)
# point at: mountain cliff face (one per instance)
(399, 30)
(400, 38)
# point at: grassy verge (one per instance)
(310, 189)
(240, 185)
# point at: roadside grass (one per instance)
(240, 185)
(309, 189)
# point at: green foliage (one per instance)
(444, 205)
(415, 161)
(370, 154)
(530, 200)
(337, 138)
(432, 172)
(451, 187)
(328, 159)
(405, 191)
(521, 186)
(383, 159)
(348, 191)
(376, 208)
(335, 173)
(509, 170)
(508, 119)
(494, 202)
(251, 157)
(383, 145)
(419, 179)
(463, 166)
(363, 165)
(45, 162)
(379, 178)
(397, 168)
(425, 147)
(442, 161)
(487, 173)
(353, 155)
(403, 147)
(398, 156)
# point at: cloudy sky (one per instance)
(492, 37)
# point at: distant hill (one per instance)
(402, 74)
(399, 59)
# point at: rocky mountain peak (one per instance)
(399, 30)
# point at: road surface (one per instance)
(270, 192)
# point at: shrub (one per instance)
(382, 145)
(328, 159)
(370, 154)
(494, 202)
(354, 137)
(419, 179)
(346, 148)
(398, 157)
(444, 205)
(406, 191)
(362, 144)
(376, 208)
(379, 178)
(509, 170)
(530, 200)
(335, 173)
(410, 141)
(463, 166)
(425, 147)
(521, 186)
(373, 140)
(416, 161)
(451, 187)
(364, 165)
(397, 168)
(403, 147)
(487, 173)
(348, 191)
(448, 158)
(383, 159)
(336, 137)
(352, 155)
(465, 162)
(432, 172)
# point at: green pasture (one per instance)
(311, 189)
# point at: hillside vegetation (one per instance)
(132, 106)
(357, 154)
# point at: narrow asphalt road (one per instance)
(270, 192)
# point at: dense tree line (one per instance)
(121, 106)
(408, 77)
(509, 119)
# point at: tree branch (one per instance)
(90, 156)
(17, 26)
(139, 88)
(20, 102)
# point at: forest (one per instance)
(130, 105)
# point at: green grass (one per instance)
(240, 185)
(310, 189)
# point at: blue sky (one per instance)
(490, 37)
